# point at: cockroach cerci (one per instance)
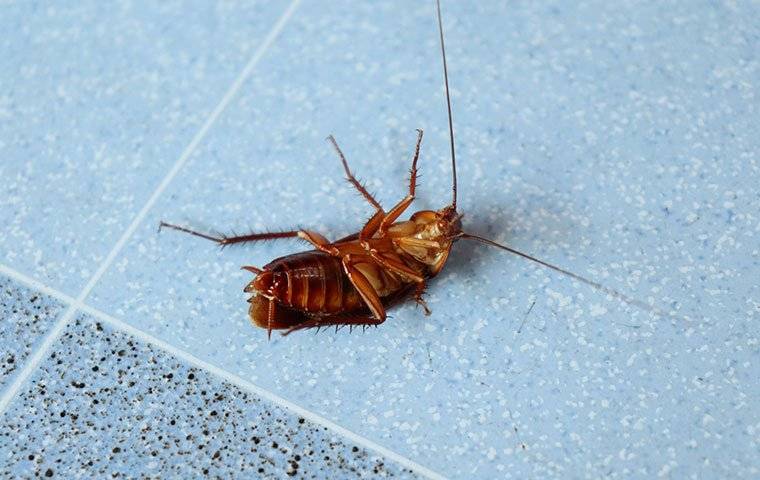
(354, 280)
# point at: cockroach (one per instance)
(353, 281)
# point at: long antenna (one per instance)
(448, 105)
(596, 285)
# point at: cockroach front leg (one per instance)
(316, 239)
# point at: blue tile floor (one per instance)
(616, 139)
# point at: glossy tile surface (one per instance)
(615, 140)
(97, 102)
(105, 405)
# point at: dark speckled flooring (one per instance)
(103, 404)
(24, 316)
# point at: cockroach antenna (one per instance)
(467, 236)
(596, 285)
(448, 106)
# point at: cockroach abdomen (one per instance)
(282, 316)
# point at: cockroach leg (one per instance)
(395, 212)
(216, 239)
(352, 179)
(401, 206)
(372, 225)
(335, 320)
(316, 239)
(413, 170)
(396, 266)
(418, 292)
(379, 219)
(363, 285)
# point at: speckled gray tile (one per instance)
(104, 404)
(25, 315)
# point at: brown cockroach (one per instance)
(352, 281)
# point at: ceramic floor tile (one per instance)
(105, 405)
(97, 102)
(25, 316)
(617, 140)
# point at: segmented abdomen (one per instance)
(310, 281)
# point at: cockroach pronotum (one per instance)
(352, 281)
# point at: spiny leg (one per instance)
(319, 241)
(350, 176)
(382, 221)
(401, 206)
(335, 321)
(413, 170)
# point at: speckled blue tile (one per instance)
(104, 404)
(97, 101)
(616, 139)
(25, 315)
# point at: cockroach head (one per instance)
(450, 222)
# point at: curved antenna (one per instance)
(448, 105)
(598, 286)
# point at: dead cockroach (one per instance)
(352, 281)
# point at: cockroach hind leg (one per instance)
(336, 321)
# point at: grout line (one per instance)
(77, 303)
(241, 78)
(48, 339)
(36, 358)
(35, 284)
(260, 392)
(190, 359)
(60, 325)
